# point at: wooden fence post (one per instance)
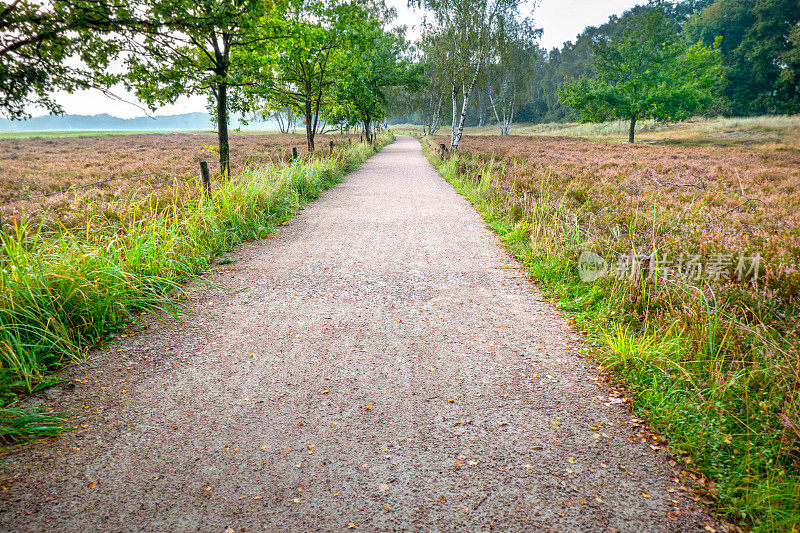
(527, 202)
(331, 147)
(206, 177)
(294, 153)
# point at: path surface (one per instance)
(380, 364)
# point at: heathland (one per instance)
(697, 312)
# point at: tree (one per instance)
(202, 47)
(369, 65)
(754, 46)
(789, 84)
(646, 72)
(299, 73)
(37, 38)
(509, 70)
(463, 35)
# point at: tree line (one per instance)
(662, 60)
(326, 61)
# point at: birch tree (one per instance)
(464, 32)
(510, 68)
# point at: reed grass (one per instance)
(63, 293)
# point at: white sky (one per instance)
(562, 20)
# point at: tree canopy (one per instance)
(55, 45)
(200, 47)
(646, 71)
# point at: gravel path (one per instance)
(380, 364)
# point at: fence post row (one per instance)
(331, 147)
(206, 177)
(294, 153)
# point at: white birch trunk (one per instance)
(467, 94)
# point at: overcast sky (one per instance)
(561, 20)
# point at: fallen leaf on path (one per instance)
(93, 484)
(442, 499)
(383, 487)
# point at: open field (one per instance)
(767, 132)
(155, 161)
(83, 133)
(712, 360)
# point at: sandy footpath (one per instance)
(379, 365)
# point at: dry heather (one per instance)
(713, 360)
(151, 162)
(699, 200)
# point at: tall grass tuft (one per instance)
(62, 294)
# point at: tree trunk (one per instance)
(222, 127)
(309, 126)
(453, 123)
(367, 129)
(467, 94)
(632, 129)
(481, 114)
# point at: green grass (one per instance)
(721, 415)
(63, 294)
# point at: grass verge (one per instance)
(713, 368)
(65, 293)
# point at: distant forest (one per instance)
(759, 44)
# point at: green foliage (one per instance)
(38, 37)
(646, 72)
(759, 51)
(299, 72)
(372, 63)
(204, 47)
